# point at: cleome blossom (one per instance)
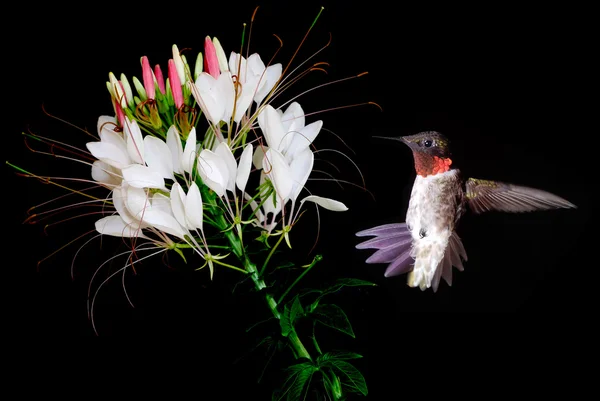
(159, 170)
(202, 158)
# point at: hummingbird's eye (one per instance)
(428, 143)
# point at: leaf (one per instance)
(347, 282)
(298, 378)
(338, 355)
(333, 316)
(284, 265)
(343, 282)
(351, 378)
(290, 314)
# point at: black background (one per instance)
(515, 79)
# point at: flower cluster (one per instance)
(202, 160)
(169, 176)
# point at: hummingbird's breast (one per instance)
(435, 204)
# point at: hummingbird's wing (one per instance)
(484, 195)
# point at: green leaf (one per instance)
(348, 282)
(333, 316)
(339, 284)
(351, 378)
(298, 379)
(290, 315)
(284, 265)
(337, 355)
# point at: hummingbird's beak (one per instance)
(393, 138)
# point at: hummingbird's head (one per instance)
(431, 151)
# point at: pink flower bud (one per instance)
(211, 61)
(175, 84)
(160, 80)
(148, 78)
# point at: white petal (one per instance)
(164, 222)
(110, 136)
(134, 140)
(255, 65)
(193, 207)
(244, 98)
(278, 171)
(258, 157)
(174, 144)
(109, 154)
(224, 153)
(178, 203)
(301, 168)
(118, 197)
(303, 140)
(106, 174)
(270, 124)
(293, 118)
(271, 76)
(244, 166)
(158, 156)
(162, 203)
(236, 67)
(106, 124)
(208, 98)
(115, 226)
(136, 202)
(225, 93)
(213, 171)
(267, 204)
(326, 203)
(188, 159)
(140, 176)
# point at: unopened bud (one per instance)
(140, 89)
(179, 65)
(127, 88)
(220, 55)
(198, 66)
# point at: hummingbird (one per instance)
(426, 245)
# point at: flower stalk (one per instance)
(298, 347)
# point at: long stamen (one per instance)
(68, 123)
(48, 181)
(63, 247)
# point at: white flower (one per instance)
(287, 160)
(187, 208)
(257, 81)
(219, 170)
(215, 96)
(286, 132)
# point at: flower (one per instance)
(204, 160)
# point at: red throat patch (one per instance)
(431, 165)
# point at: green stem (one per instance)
(264, 266)
(299, 349)
(317, 258)
(314, 338)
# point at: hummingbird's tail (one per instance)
(453, 256)
(393, 244)
(434, 257)
(394, 247)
